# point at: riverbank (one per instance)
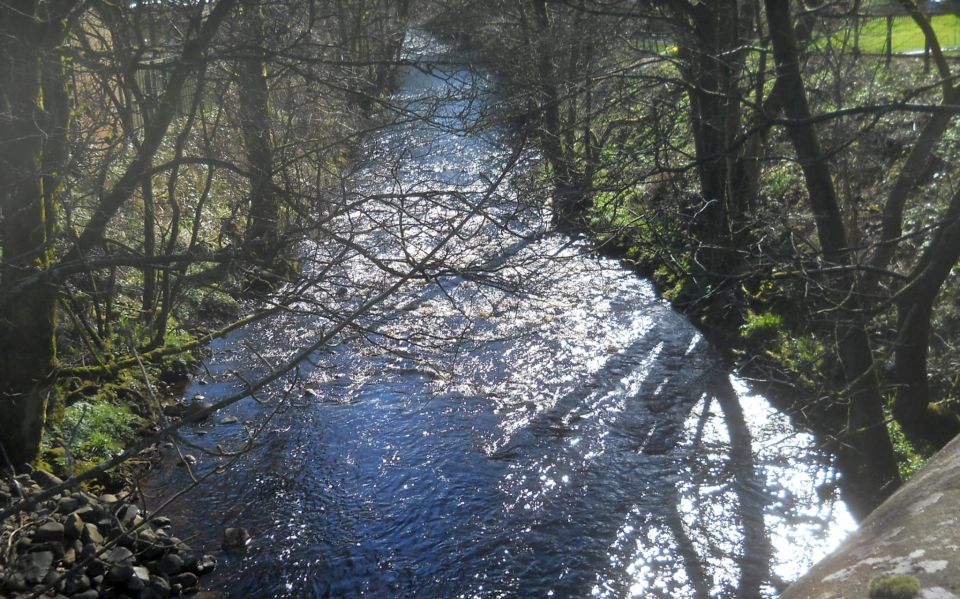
(78, 544)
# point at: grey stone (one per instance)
(55, 547)
(15, 583)
(170, 564)
(235, 538)
(127, 514)
(67, 504)
(160, 586)
(73, 526)
(229, 420)
(96, 569)
(49, 532)
(138, 582)
(88, 594)
(161, 521)
(91, 534)
(36, 566)
(76, 584)
(45, 479)
(205, 564)
(119, 555)
(119, 574)
(88, 513)
(185, 580)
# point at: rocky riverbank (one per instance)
(78, 544)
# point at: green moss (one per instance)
(761, 327)
(91, 431)
(909, 457)
(894, 586)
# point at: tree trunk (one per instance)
(262, 232)
(866, 453)
(33, 121)
(915, 307)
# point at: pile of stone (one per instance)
(77, 544)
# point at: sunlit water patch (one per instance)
(528, 420)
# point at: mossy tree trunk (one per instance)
(33, 121)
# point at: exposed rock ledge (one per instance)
(914, 536)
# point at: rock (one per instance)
(119, 555)
(229, 420)
(185, 580)
(89, 594)
(67, 504)
(205, 564)
(175, 410)
(160, 586)
(170, 564)
(45, 479)
(15, 583)
(76, 584)
(106, 527)
(235, 538)
(49, 532)
(69, 557)
(119, 574)
(36, 566)
(88, 551)
(96, 569)
(91, 534)
(108, 498)
(161, 521)
(140, 579)
(87, 513)
(197, 406)
(127, 514)
(73, 526)
(189, 559)
(55, 547)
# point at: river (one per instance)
(529, 420)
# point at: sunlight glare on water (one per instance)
(531, 421)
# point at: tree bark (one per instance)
(33, 122)
(262, 232)
(866, 453)
(915, 306)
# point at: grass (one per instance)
(906, 36)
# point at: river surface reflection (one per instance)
(531, 421)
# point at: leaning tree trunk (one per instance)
(915, 306)
(33, 122)
(866, 452)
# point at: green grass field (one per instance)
(907, 37)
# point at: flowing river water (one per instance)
(530, 420)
